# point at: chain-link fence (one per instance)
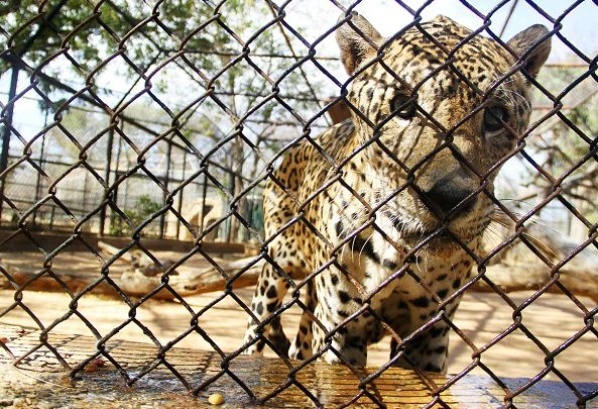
(139, 137)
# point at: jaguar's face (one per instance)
(444, 108)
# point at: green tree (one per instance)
(563, 144)
(144, 208)
(208, 78)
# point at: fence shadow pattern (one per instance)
(110, 106)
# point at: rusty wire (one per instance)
(205, 169)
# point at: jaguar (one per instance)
(379, 220)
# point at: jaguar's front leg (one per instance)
(427, 350)
(301, 348)
(269, 292)
(336, 338)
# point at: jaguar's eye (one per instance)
(403, 106)
(494, 118)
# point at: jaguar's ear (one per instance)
(532, 48)
(356, 43)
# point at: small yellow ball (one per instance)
(216, 399)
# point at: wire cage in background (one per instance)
(137, 138)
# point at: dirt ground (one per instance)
(553, 319)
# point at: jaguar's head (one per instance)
(441, 108)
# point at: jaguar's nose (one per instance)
(453, 193)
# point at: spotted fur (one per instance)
(384, 213)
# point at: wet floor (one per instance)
(130, 376)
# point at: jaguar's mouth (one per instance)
(451, 231)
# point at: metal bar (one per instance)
(6, 132)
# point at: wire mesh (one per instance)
(162, 122)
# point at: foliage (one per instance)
(144, 209)
(67, 42)
(203, 75)
(565, 141)
(87, 32)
